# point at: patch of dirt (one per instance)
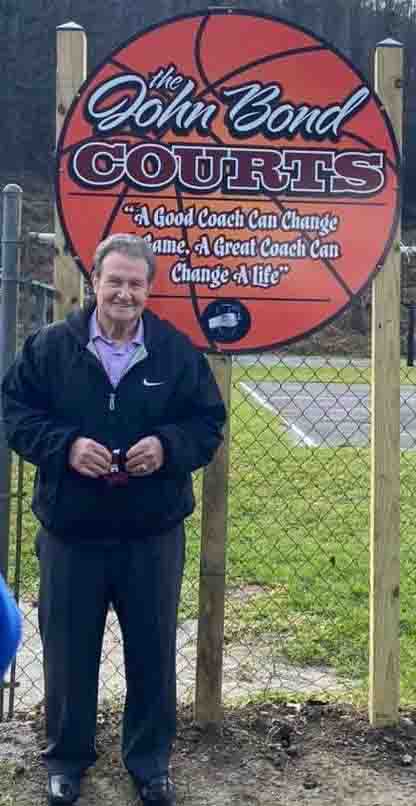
(249, 665)
(264, 755)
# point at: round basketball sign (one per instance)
(253, 158)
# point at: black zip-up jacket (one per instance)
(57, 390)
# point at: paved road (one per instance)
(332, 414)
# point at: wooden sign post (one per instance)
(71, 71)
(208, 698)
(384, 683)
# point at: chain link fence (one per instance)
(297, 555)
(296, 610)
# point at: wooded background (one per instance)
(27, 59)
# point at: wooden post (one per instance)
(71, 71)
(384, 683)
(208, 699)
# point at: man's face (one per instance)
(121, 289)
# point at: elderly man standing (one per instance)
(116, 408)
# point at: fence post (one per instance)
(208, 699)
(71, 70)
(10, 258)
(384, 662)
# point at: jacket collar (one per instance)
(78, 323)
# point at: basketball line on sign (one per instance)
(116, 209)
(114, 212)
(338, 278)
(212, 86)
(349, 292)
(127, 67)
(192, 288)
(266, 405)
(230, 200)
(244, 299)
(370, 145)
(227, 76)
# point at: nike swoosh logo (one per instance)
(152, 383)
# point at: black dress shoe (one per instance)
(63, 789)
(157, 792)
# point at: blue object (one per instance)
(10, 627)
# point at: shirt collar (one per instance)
(96, 332)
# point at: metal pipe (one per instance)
(10, 258)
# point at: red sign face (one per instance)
(252, 157)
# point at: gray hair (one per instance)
(132, 246)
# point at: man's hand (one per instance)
(144, 457)
(89, 458)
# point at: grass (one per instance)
(297, 553)
(308, 373)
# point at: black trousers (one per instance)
(78, 581)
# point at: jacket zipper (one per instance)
(112, 401)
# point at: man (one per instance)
(116, 408)
(10, 628)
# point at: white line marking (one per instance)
(266, 405)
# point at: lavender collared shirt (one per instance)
(115, 358)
